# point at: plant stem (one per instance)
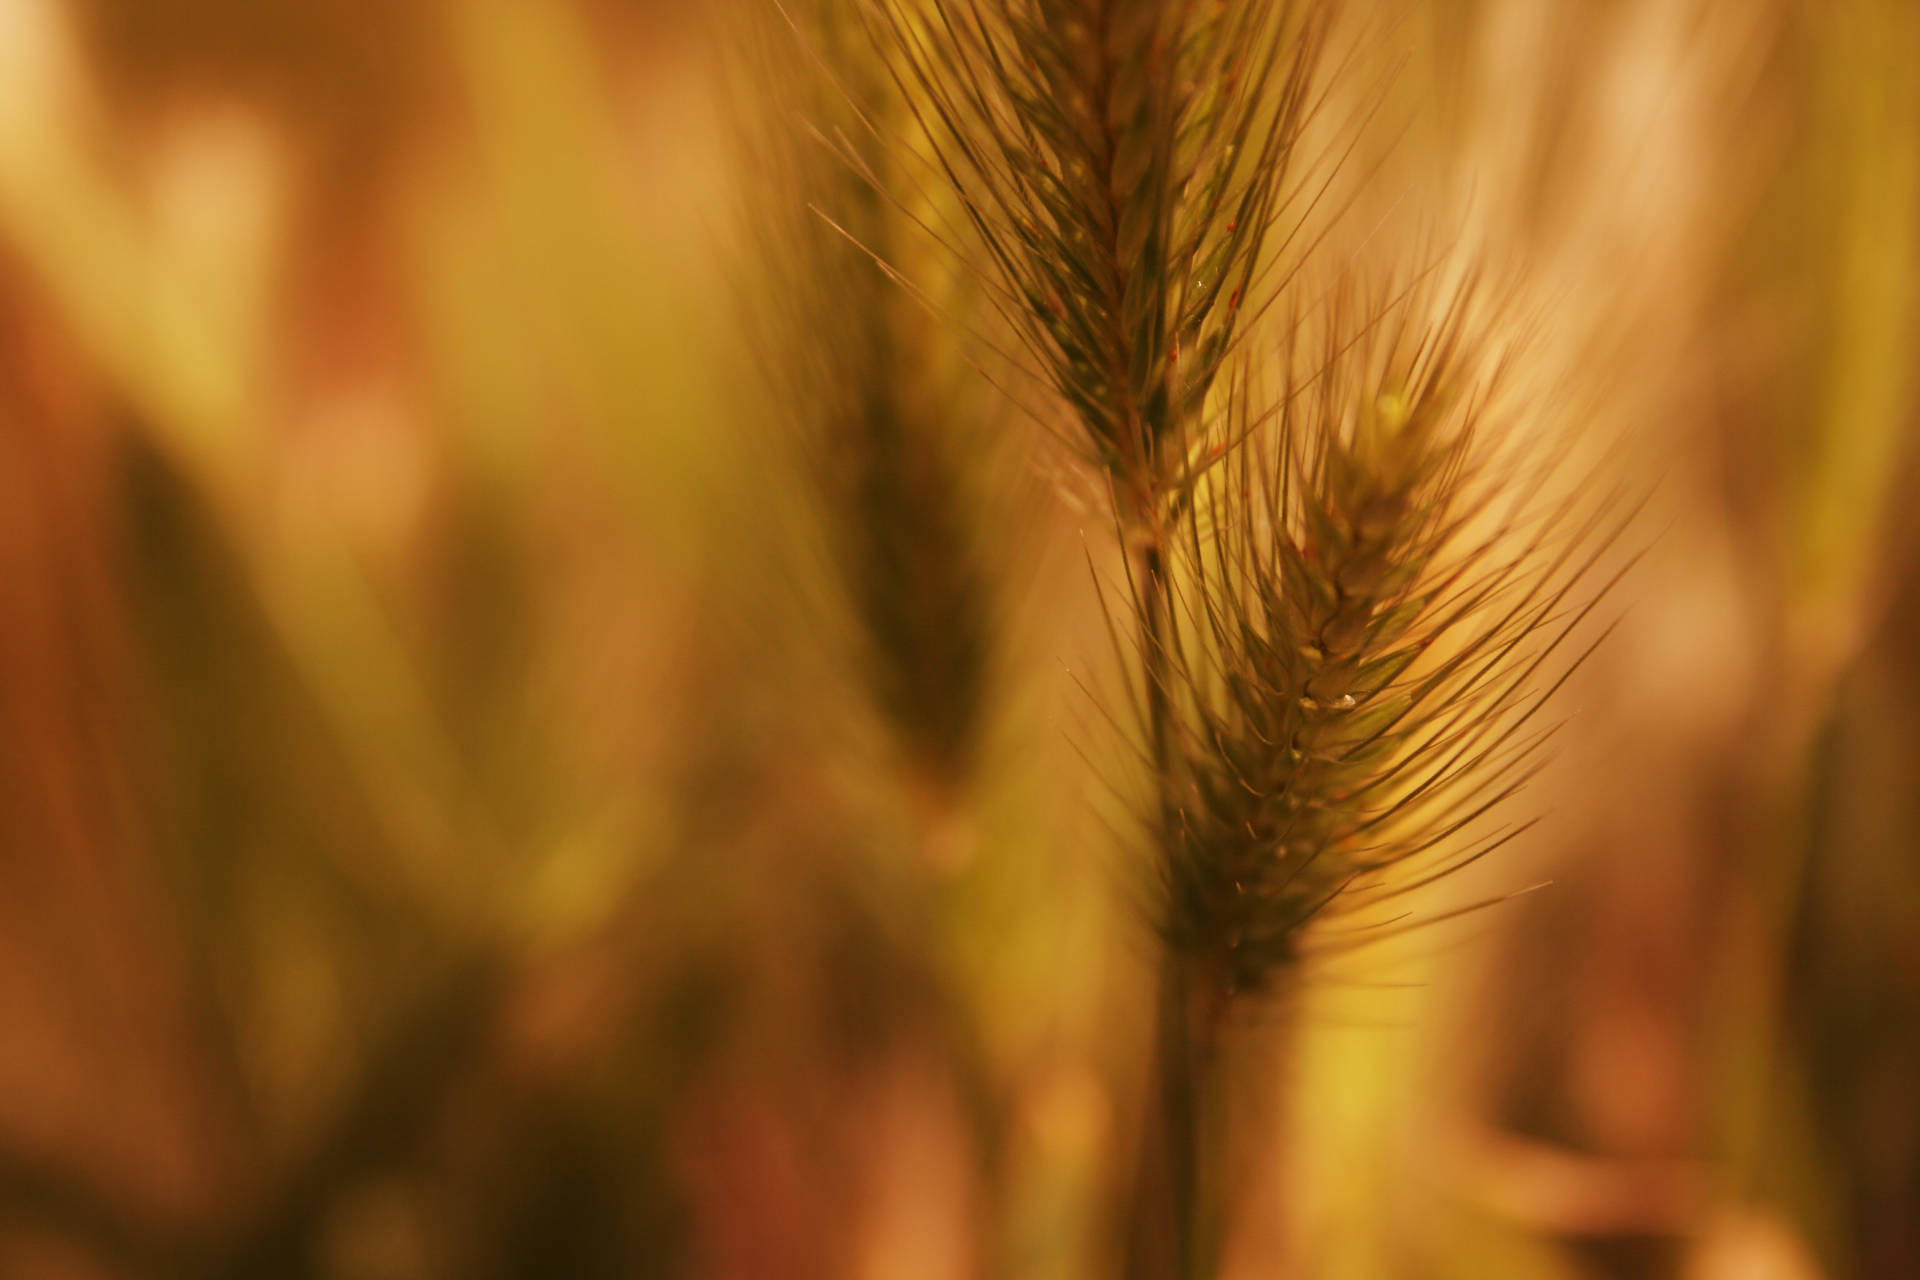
(1179, 1117)
(1171, 1156)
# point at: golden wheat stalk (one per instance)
(1119, 165)
(1366, 607)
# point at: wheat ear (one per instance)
(1119, 163)
(858, 374)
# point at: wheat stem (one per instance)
(1173, 1151)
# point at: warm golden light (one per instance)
(931, 639)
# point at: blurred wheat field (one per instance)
(560, 721)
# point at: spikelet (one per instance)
(1372, 593)
(1120, 165)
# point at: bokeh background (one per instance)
(442, 834)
